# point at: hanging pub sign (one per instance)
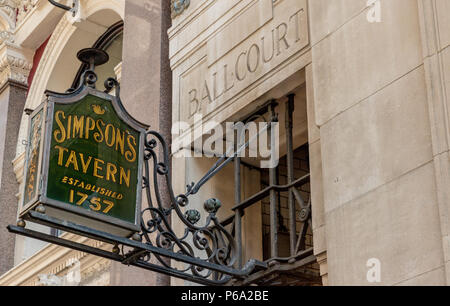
(87, 161)
(84, 159)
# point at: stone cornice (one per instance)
(56, 260)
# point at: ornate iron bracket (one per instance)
(205, 254)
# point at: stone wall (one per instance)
(372, 104)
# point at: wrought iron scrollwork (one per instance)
(210, 242)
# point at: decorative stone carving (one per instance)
(8, 9)
(24, 7)
(6, 36)
(178, 6)
(15, 64)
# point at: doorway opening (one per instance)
(270, 207)
(285, 201)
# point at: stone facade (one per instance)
(377, 113)
(383, 203)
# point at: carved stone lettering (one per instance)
(205, 89)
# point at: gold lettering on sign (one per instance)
(84, 127)
(94, 166)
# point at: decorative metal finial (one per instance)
(93, 57)
(40, 209)
(116, 249)
(212, 205)
(193, 216)
(136, 237)
(21, 223)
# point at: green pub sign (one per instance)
(84, 161)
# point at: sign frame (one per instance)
(86, 217)
(25, 206)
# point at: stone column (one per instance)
(15, 65)
(435, 33)
(146, 92)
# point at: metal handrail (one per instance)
(265, 192)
